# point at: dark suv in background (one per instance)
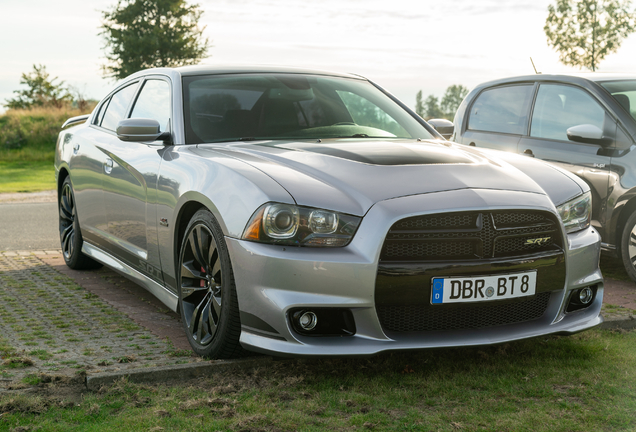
(585, 124)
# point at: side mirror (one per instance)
(141, 130)
(443, 126)
(588, 134)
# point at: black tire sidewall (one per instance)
(225, 341)
(624, 252)
(74, 261)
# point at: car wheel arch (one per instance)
(60, 179)
(625, 212)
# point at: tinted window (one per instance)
(366, 113)
(117, 107)
(502, 109)
(154, 102)
(625, 93)
(291, 106)
(559, 107)
(102, 111)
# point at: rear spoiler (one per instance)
(75, 120)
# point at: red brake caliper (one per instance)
(202, 281)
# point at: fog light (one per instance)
(585, 295)
(308, 321)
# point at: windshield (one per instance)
(625, 93)
(291, 106)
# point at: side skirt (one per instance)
(162, 293)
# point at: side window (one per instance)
(116, 109)
(100, 114)
(559, 107)
(502, 109)
(154, 102)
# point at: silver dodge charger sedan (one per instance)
(307, 213)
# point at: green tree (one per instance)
(453, 97)
(419, 105)
(41, 91)
(152, 33)
(431, 108)
(584, 32)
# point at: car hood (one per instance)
(350, 175)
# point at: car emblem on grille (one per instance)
(538, 241)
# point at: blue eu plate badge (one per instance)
(438, 290)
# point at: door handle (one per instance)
(75, 148)
(528, 152)
(108, 166)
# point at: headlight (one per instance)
(576, 213)
(287, 224)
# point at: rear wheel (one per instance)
(207, 294)
(70, 232)
(628, 246)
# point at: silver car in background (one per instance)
(309, 213)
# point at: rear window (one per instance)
(501, 109)
(625, 93)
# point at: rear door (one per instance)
(558, 107)
(499, 117)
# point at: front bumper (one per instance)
(271, 280)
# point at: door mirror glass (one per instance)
(140, 130)
(443, 126)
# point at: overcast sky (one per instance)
(404, 46)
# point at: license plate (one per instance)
(483, 288)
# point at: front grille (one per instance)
(471, 235)
(422, 318)
(466, 244)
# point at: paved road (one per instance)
(29, 226)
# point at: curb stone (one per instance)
(175, 372)
(627, 322)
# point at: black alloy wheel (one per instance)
(628, 246)
(207, 295)
(70, 232)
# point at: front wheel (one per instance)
(70, 232)
(207, 294)
(628, 246)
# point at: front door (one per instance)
(558, 107)
(130, 185)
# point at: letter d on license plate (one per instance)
(483, 288)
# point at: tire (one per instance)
(70, 232)
(207, 294)
(628, 246)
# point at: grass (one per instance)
(30, 135)
(27, 148)
(20, 176)
(579, 383)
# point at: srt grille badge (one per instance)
(538, 241)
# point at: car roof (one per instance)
(240, 69)
(573, 78)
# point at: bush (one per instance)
(30, 135)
